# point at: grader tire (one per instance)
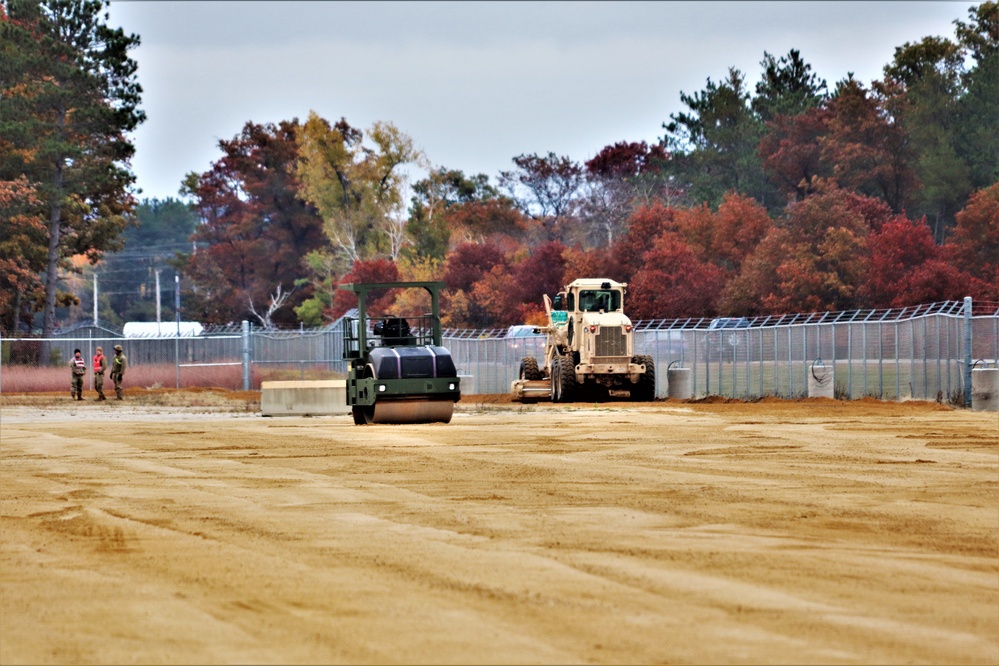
(567, 380)
(529, 369)
(556, 379)
(645, 389)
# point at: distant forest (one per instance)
(783, 195)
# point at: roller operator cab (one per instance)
(399, 371)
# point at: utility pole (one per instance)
(176, 301)
(158, 320)
(176, 340)
(95, 299)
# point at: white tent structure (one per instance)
(152, 329)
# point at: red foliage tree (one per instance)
(673, 282)
(379, 301)
(816, 261)
(626, 159)
(876, 213)
(904, 268)
(512, 295)
(255, 230)
(974, 246)
(741, 223)
(792, 157)
(867, 147)
(543, 272)
(468, 262)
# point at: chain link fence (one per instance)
(923, 352)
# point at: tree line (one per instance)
(792, 196)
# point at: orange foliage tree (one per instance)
(674, 282)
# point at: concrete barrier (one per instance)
(820, 382)
(985, 390)
(304, 398)
(678, 383)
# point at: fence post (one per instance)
(967, 351)
(246, 355)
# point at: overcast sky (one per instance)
(475, 84)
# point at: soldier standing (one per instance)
(78, 368)
(100, 365)
(118, 370)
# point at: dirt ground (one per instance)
(189, 529)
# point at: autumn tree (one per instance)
(644, 225)
(254, 229)
(544, 189)
(904, 267)
(726, 236)
(69, 99)
(449, 208)
(494, 221)
(792, 154)
(512, 293)
(867, 146)
(22, 254)
(466, 265)
(974, 246)
(815, 260)
(357, 187)
(379, 301)
(673, 282)
(618, 179)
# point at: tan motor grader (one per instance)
(589, 349)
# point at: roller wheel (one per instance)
(567, 380)
(645, 389)
(529, 369)
(363, 415)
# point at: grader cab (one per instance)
(589, 349)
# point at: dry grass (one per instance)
(28, 379)
(214, 398)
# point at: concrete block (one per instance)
(985, 390)
(304, 398)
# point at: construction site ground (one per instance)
(183, 527)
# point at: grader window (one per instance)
(595, 300)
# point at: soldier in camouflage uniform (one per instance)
(100, 367)
(78, 370)
(118, 371)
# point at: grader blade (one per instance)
(528, 389)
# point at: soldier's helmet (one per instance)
(117, 347)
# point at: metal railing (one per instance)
(923, 352)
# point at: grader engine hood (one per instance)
(606, 336)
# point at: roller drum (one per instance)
(413, 411)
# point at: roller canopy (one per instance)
(412, 362)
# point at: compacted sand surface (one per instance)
(701, 532)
